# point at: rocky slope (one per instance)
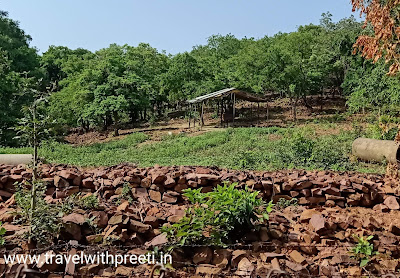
(312, 239)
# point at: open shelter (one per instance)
(224, 98)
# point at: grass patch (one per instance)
(269, 148)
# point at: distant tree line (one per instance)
(125, 84)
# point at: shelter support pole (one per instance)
(190, 113)
(222, 110)
(267, 111)
(202, 114)
(194, 117)
(258, 113)
(233, 110)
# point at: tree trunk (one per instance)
(116, 124)
(294, 104)
(306, 104)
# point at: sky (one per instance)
(171, 25)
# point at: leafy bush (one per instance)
(2, 233)
(43, 220)
(218, 216)
(386, 128)
(126, 195)
(363, 250)
(90, 201)
(283, 203)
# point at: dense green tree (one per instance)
(18, 74)
(59, 62)
(116, 85)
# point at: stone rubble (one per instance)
(314, 238)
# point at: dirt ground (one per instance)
(276, 113)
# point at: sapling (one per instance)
(33, 128)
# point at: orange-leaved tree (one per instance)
(384, 18)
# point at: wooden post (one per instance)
(233, 112)
(194, 116)
(267, 111)
(258, 113)
(222, 110)
(190, 113)
(202, 114)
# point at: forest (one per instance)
(125, 85)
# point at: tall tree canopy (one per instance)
(19, 72)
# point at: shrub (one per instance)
(43, 220)
(2, 233)
(90, 201)
(218, 216)
(283, 203)
(126, 194)
(363, 250)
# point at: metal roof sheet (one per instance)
(239, 94)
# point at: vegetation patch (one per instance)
(218, 217)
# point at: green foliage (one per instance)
(2, 233)
(255, 148)
(215, 217)
(90, 201)
(364, 250)
(19, 71)
(371, 89)
(283, 203)
(43, 221)
(126, 194)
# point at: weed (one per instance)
(2, 233)
(283, 203)
(90, 201)
(364, 250)
(294, 147)
(93, 226)
(126, 195)
(218, 216)
(43, 219)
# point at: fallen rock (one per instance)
(159, 240)
(297, 257)
(207, 269)
(245, 268)
(391, 203)
(139, 227)
(202, 255)
(75, 218)
(317, 222)
(221, 257)
(155, 195)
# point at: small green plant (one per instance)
(364, 250)
(89, 202)
(126, 194)
(2, 233)
(218, 217)
(43, 218)
(283, 203)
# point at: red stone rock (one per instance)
(391, 203)
(317, 221)
(202, 255)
